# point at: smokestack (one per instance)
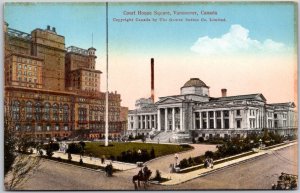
(152, 79)
(224, 92)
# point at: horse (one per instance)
(140, 177)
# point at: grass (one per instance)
(222, 160)
(98, 150)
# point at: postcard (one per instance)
(150, 95)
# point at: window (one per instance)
(55, 112)
(35, 69)
(238, 124)
(28, 110)
(25, 67)
(238, 112)
(275, 116)
(47, 112)
(38, 111)
(19, 66)
(66, 113)
(16, 110)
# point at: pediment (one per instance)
(260, 97)
(169, 100)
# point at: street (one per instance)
(259, 173)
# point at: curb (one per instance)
(74, 165)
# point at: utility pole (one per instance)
(106, 109)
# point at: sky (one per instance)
(250, 49)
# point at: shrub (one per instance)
(209, 154)
(49, 152)
(183, 163)
(82, 144)
(74, 148)
(200, 139)
(152, 153)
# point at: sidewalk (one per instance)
(177, 178)
(95, 161)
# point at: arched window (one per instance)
(38, 111)
(47, 112)
(16, 110)
(66, 113)
(28, 110)
(55, 111)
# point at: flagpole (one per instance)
(106, 96)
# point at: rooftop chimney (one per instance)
(53, 29)
(224, 92)
(48, 27)
(152, 79)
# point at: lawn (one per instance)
(98, 150)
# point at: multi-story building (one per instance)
(195, 113)
(53, 91)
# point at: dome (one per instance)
(195, 82)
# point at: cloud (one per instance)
(236, 40)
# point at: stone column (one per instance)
(207, 120)
(181, 119)
(150, 121)
(200, 117)
(257, 119)
(231, 119)
(141, 121)
(146, 121)
(166, 119)
(215, 119)
(173, 118)
(222, 120)
(158, 120)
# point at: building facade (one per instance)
(53, 91)
(194, 113)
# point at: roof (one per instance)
(288, 104)
(195, 82)
(240, 97)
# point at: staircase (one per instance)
(164, 137)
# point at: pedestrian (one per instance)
(211, 163)
(176, 159)
(102, 159)
(90, 156)
(157, 140)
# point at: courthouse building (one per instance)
(195, 113)
(54, 91)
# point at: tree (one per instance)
(9, 147)
(17, 165)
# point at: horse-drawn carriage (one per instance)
(143, 176)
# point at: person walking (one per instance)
(176, 159)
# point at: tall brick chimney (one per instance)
(224, 92)
(152, 79)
